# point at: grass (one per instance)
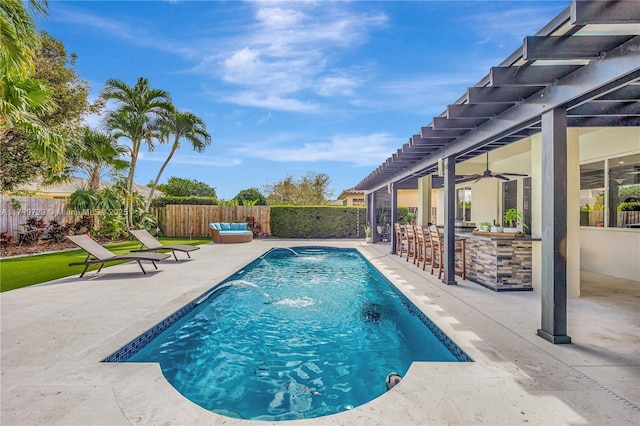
(29, 270)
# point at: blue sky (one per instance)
(287, 88)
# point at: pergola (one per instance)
(581, 70)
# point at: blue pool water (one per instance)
(295, 334)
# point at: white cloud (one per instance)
(137, 33)
(424, 94)
(278, 17)
(190, 159)
(337, 85)
(242, 66)
(272, 102)
(286, 53)
(511, 24)
(359, 150)
(291, 54)
(110, 26)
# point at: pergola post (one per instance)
(394, 215)
(554, 227)
(371, 215)
(449, 220)
(424, 200)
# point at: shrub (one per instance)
(56, 232)
(198, 201)
(403, 215)
(84, 225)
(113, 226)
(317, 222)
(5, 238)
(630, 206)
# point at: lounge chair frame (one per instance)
(149, 243)
(98, 254)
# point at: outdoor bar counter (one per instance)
(501, 263)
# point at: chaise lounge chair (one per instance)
(98, 254)
(151, 244)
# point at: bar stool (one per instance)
(400, 239)
(423, 247)
(410, 233)
(437, 255)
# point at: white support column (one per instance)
(424, 200)
(573, 213)
(449, 221)
(394, 215)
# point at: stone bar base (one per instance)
(498, 263)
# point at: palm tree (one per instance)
(96, 154)
(22, 97)
(19, 36)
(183, 126)
(139, 105)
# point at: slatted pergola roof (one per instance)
(587, 60)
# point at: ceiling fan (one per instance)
(487, 174)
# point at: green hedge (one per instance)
(198, 201)
(630, 206)
(317, 222)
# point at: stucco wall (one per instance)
(408, 197)
(610, 251)
(614, 252)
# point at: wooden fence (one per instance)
(176, 220)
(12, 215)
(596, 218)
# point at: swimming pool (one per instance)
(297, 333)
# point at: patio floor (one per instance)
(54, 335)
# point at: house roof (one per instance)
(64, 189)
(586, 59)
(350, 191)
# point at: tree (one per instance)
(69, 92)
(19, 35)
(97, 154)
(182, 126)
(250, 195)
(23, 97)
(139, 105)
(311, 189)
(181, 187)
(17, 161)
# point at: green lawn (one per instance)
(25, 271)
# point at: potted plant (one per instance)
(513, 217)
(367, 233)
(496, 227)
(484, 226)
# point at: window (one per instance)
(526, 204)
(509, 196)
(624, 191)
(592, 194)
(610, 192)
(463, 203)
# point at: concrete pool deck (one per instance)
(54, 335)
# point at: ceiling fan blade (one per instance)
(501, 177)
(513, 174)
(468, 178)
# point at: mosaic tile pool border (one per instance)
(131, 348)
